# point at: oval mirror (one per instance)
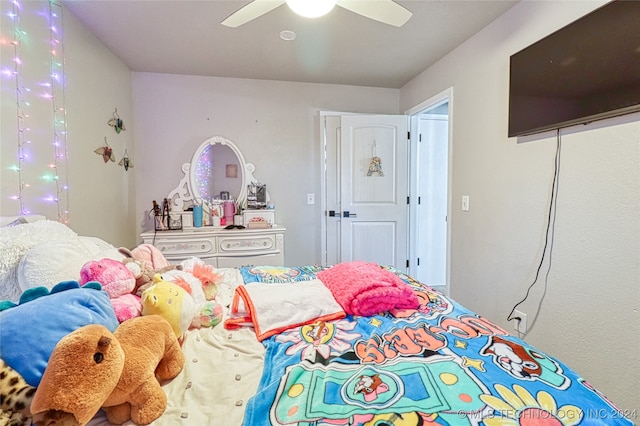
(218, 171)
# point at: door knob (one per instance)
(347, 214)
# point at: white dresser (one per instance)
(221, 248)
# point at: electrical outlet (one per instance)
(520, 325)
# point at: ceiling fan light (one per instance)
(311, 8)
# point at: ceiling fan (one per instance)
(385, 11)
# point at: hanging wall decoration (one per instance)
(28, 31)
(125, 162)
(116, 122)
(106, 151)
(375, 165)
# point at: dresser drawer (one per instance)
(186, 248)
(258, 244)
(221, 247)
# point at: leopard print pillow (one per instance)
(15, 397)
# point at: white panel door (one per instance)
(374, 189)
(332, 191)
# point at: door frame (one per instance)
(414, 113)
(323, 181)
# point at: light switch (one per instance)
(311, 198)
(465, 203)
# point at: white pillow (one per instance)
(100, 249)
(51, 262)
(15, 241)
(14, 220)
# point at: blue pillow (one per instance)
(30, 331)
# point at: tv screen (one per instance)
(585, 71)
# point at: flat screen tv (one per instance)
(586, 71)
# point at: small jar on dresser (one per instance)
(221, 248)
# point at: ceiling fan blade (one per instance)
(250, 12)
(385, 11)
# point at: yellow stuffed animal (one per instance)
(91, 368)
(171, 302)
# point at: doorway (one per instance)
(430, 188)
(426, 238)
(365, 189)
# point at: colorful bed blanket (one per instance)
(439, 364)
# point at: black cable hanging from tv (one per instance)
(550, 230)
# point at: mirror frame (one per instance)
(183, 195)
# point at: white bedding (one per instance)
(222, 369)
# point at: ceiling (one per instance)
(186, 37)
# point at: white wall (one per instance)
(100, 195)
(588, 312)
(274, 124)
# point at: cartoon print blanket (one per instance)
(439, 364)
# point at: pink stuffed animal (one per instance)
(150, 255)
(118, 281)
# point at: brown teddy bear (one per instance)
(91, 368)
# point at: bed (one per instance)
(290, 350)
